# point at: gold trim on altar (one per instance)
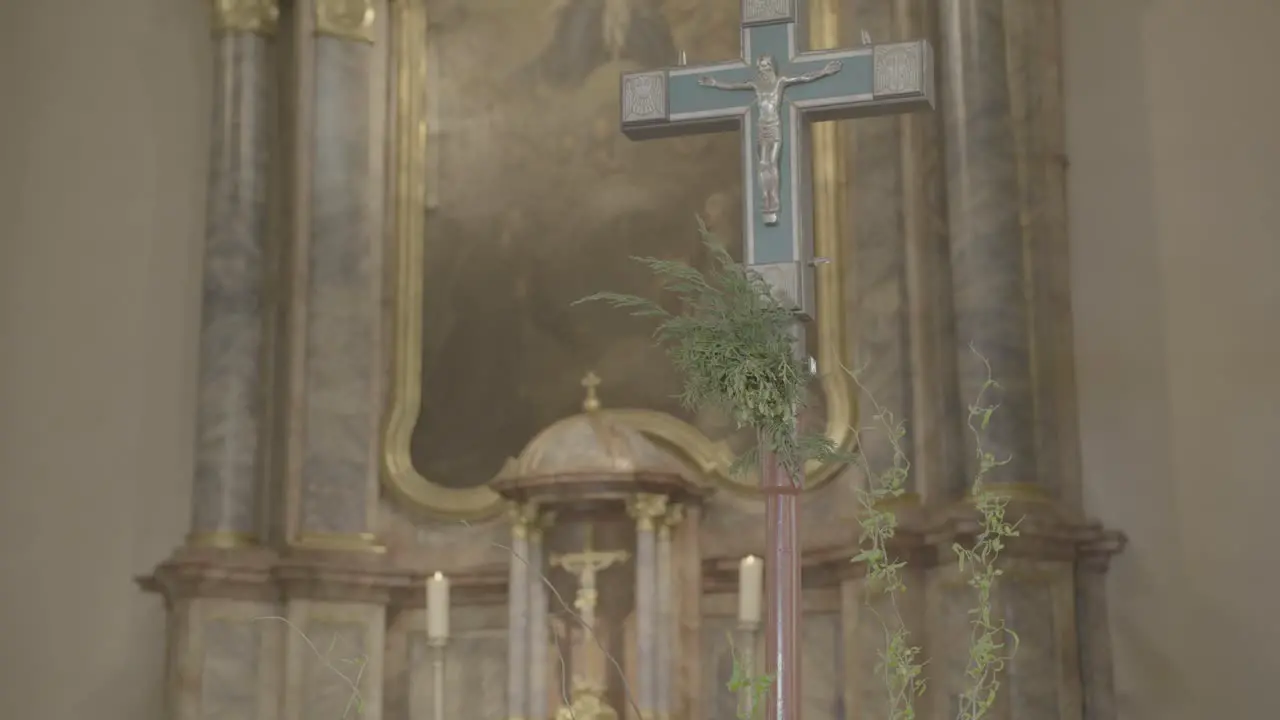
(713, 459)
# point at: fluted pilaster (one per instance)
(229, 426)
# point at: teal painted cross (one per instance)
(772, 93)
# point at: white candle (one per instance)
(750, 589)
(438, 607)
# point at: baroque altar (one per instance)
(406, 195)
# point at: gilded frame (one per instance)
(408, 164)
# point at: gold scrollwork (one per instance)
(712, 458)
(345, 19)
(245, 16)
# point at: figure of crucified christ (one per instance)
(769, 87)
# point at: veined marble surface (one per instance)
(231, 403)
(341, 417)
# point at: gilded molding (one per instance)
(245, 16)
(345, 19)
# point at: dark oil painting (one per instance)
(535, 199)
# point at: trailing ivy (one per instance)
(991, 643)
(899, 667)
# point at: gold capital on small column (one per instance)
(646, 508)
(345, 19)
(245, 16)
(524, 519)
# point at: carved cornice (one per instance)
(345, 19)
(925, 543)
(265, 575)
(245, 16)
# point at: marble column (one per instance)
(666, 635)
(539, 617)
(518, 612)
(229, 425)
(336, 316)
(989, 246)
(647, 509)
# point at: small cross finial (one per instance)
(591, 381)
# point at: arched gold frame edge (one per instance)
(408, 158)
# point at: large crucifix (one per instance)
(772, 93)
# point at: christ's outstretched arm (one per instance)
(830, 68)
(708, 81)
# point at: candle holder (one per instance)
(748, 633)
(439, 647)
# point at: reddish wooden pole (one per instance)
(783, 609)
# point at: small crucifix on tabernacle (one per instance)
(779, 91)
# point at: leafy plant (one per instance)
(732, 342)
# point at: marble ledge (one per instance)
(266, 575)
(927, 543)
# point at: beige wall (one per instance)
(1174, 140)
(1175, 198)
(103, 117)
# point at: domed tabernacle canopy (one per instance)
(592, 455)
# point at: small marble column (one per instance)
(647, 509)
(338, 188)
(522, 517)
(989, 252)
(226, 489)
(539, 631)
(666, 616)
